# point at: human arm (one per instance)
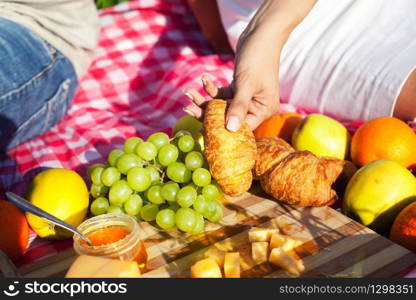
(209, 20)
(254, 90)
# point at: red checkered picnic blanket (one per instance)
(149, 51)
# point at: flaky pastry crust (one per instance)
(231, 155)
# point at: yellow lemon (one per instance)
(378, 192)
(63, 194)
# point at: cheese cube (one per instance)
(216, 254)
(259, 252)
(86, 266)
(277, 240)
(290, 244)
(206, 268)
(260, 234)
(286, 261)
(286, 243)
(232, 265)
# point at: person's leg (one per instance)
(37, 85)
(405, 108)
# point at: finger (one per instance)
(195, 96)
(237, 111)
(253, 121)
(209, 86)
(215, 92)
(193, 110)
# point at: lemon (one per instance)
(378, 192)
(63, 194)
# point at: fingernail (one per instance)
(233, 123)
(204, 81)
(189, 95)
(188, 112)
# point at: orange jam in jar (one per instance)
(115, 236)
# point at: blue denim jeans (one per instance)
(37, 84)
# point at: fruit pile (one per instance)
(160, 179)
(382, 193)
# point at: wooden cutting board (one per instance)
(333, 245)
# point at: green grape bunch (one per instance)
(161, 180)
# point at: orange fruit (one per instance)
(14, 237)
(384, 138)
(280, 125)
(403, 231)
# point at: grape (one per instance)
(168, 154)
(210, 210)
(186, 143)
(131, 144)
(166, 218)
(110, 175)
(128, 161)
(178, 172)
(154, 174)
(188, 123)
(201, 177)
(159, 139)
(119, 193)
(98, 190)
(186, 196)
(153, 195)
(113, 156)
(169, 191)
(194, 160)
(99, 206)
(181, 133)
(138, 218)
(91, 168)
(139, 179)
(146, 151)
(158, 165)
(96, 175)
(174, 206)
(114, 209)
(211, 192)
(191, 184)
(173, 229)
(218, 214)
(200, 204)
(199, 224)
(185, 219)
(133, 205)
(149, 212)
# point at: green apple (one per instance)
(323, 136)
(378, 192)
(193, 126)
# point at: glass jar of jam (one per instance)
(115, 236)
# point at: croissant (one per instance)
(300, 177)
(269, 152)
(231, 155)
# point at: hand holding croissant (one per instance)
(294, 177)
(231, 155)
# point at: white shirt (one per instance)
(347, 58)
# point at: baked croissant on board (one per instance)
(294, 177)
(299, 177)
(231, 155)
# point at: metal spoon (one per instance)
(25, 205)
